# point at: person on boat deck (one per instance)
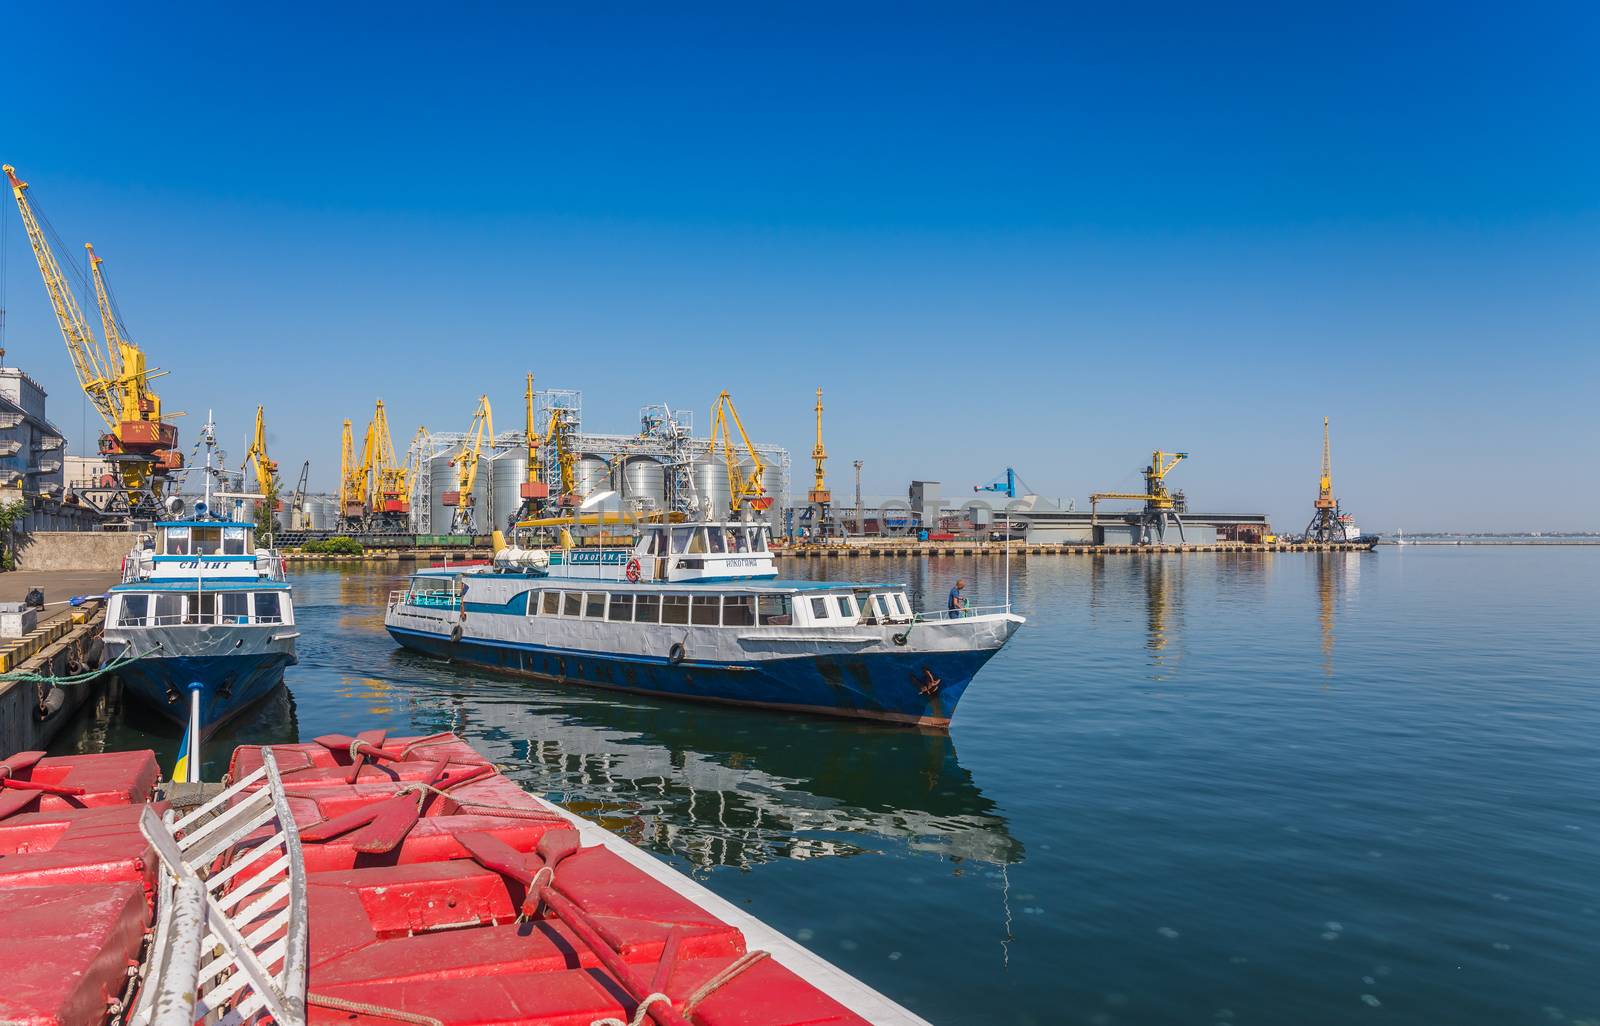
(958, 602)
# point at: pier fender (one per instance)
(455, 635)
(675, 654)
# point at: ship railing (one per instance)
(195, 620)
(946, 615)
(230, 939)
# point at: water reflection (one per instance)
(726, 787)
(1336, 574)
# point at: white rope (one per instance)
(638, 1013)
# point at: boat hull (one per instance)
(235, 668)
(912, 687)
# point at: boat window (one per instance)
(233, 541)
(594, 605)
(847, 607)
(674, 609)
(820, 608)
(207, 541)
(134, 609)
(655, 543)
(647, 609)
(177, 541)
(169, 610)
(716, 538)
(267, 607)
(550, 602)
(758, 539)
(571, 603)
(879, 610)
(680, 539)
(202, 608)
(738, 611)
(705, 610)
(776, 611)
(738, 539)
(900, 601)
(621, 608)
(235, 606)
(697, 541)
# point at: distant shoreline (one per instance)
(1492, 541)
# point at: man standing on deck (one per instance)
(958, 602)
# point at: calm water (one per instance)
(1212, 789)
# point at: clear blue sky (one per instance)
(1051, 237)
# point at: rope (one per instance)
(508, 811)
(638, 1013)
(363, 1008)
(75, 678)
(748, 959)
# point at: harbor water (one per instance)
(1219, 789)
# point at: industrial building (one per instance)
(661, 467)
(33, 458)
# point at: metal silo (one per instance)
(508, 469)
(643, 483)
(711, 486)
(590, 474)
(441, 478)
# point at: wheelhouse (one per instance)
(214, 605)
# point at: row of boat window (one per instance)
(175, 608)
(717, 610)
(204, 541)
(700, 610)
(701, 540)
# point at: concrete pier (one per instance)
(65, 640)
(875, 548)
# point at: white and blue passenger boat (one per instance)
(696, 611)
(200, 604)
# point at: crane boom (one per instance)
(744, 489)
(352, 479)
(113, 377)
(266, 468)
(90, 363)
(466, 464)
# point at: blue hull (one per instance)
(881, 686)
(229, 684)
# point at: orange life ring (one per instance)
(634, 571)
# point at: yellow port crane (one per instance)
(745, 488)
(374, 488)
(389, 503)
(138, 443)
(464, 498)
(1326, 525)
(1160, 503)
(352, 482)
(266, 468)
(819, 494)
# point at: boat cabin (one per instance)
(704, 552)
(201, 549)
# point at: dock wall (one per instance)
(72, 550)
(29, 714)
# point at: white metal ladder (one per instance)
(221, 956)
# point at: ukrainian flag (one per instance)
(191, 742)
(180, 771)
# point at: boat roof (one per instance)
(769, 584)
(188, 584)
(204, 523)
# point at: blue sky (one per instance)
(1052, 238)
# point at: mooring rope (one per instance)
(75, 678)
(363, 1008)
(748, 959)
(639, 1014)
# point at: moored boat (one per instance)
(200, 608)
(696, 611)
